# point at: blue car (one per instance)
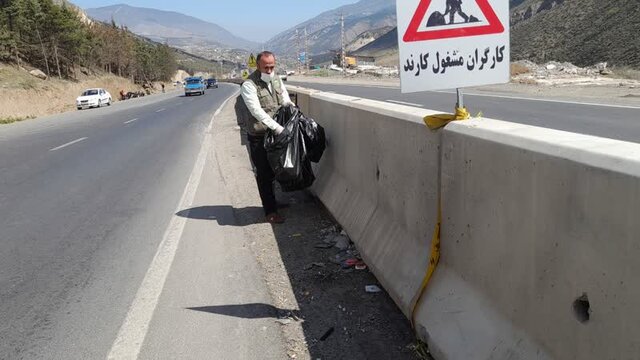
(194, 85)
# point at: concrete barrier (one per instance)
(540, 235)
(378, 177)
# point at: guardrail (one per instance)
(540, 235)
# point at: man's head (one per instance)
(266, 62)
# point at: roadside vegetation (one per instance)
(57, 40)
(23, 96)
(626, 72)
(12, 119)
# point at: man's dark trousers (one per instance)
(264, 173)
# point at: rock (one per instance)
(606, 72)
(39, 74)
(342, 242)
(601, 66)
(372, 289)
(551, 67)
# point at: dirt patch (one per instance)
(519, 69)
(25, 96)
(326, 312)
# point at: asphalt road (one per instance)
(85, 198)
(610, 121)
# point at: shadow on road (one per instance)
(247, 311)
(223, 214)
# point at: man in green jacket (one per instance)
(264, 93)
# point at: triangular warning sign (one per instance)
(494, 25)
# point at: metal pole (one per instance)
(306, 51)
(460, 103)
(298, 60)
(342, 52)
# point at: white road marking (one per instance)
(543, 100)
(160, 110)
(69, 144)
(134, 329)
(404, 103)
(130, 121)
(494, 95)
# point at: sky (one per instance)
(242, 17)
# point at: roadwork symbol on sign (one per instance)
(437, 27)
(446, 44)
(251, 63)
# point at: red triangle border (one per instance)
(412, 34)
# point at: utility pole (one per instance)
(306, 50)
(342, 51)
(298, 60)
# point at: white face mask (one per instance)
(266, 77)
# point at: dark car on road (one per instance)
(212, 83)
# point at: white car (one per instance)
(93, 98)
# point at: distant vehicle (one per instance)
(93, 98)
(282, 75)
(212, 83)
(290, 72)
(194, 85)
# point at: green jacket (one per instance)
(269, 102)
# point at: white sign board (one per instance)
(446, 44)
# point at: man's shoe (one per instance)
(275, 218)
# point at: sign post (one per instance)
(252, 64)
(446, 44)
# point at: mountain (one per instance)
(366, 38)
(384, 43)
(582, 32)
(323, 31)
(177, 29)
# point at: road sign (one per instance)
(447, 44)
(251, 63)
(245, 73)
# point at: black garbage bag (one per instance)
(314, 136)
(287, 152)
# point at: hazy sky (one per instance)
(239, 17)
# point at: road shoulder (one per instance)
(324, 310)
(215, 303)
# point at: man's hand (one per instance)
(279, 130)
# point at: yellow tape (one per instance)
(435, 122)
(434, 258)
(439, 120)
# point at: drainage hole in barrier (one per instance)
(377, 173)
(581, 308)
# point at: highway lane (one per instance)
(85, 198)
(610, 121)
